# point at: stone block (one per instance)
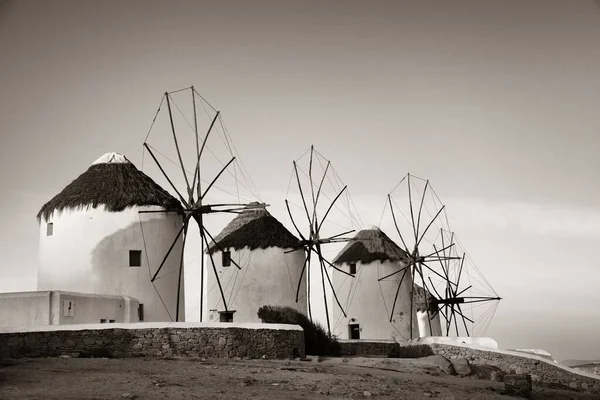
(518, 385)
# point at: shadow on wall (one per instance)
(113, 274)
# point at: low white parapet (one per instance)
(150, 325)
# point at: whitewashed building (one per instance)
(270, 269)
(94, 240)
(377, 300)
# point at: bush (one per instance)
(316, 339)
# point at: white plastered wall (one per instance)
(268, 277)
(88, 251)
(368, 302)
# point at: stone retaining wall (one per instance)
(131, 340)
(540, 369)
(364, 348)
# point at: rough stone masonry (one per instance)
(156, 342)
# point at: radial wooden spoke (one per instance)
(464, 318)
(406, 250)
(180, 273)
(464, 290)
(461, 269)
(183, 227)
(197, 170)
(436, 252)
(216, 178)
(312, 189)
(336, 268)
(321, 184)
(287, 205)
(394, 273)
(412, 214)
(187, 182)
(166, 176)
(341, 234)
(200, 151)
(421, 206)
(430, 223)
(324, 269)
(169, 210)
(212, 261)
(397, 292)
(330, 207)
(218, 246)
(302, 195)
(306, 261)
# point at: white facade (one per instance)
(26, 309)
(88, 250)
(368, 302)
(268, 277)
(429, 324)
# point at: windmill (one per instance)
(194, 156)
(318, 194)
(435, 262)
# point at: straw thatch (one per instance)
(419, 299)
(116, 185)
(370, 245)
(254, 228)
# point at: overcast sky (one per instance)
(495, 101)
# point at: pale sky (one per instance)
(495, 101)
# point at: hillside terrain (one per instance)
(139, 378)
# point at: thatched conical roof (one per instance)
(112, 181)
(370, 245)
(254, 228)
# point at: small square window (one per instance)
(226, 261)
(353, 269)
(135, 258)
(103, 321)
(49, 228)
(111, 321)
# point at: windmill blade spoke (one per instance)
(436, 252)
(312, 189)
(187, 182)
(212, 261)
(197, 170)
(200, 150)
(169, 210)
(330, 207)
(412, 213)
(421, 206)
(435, 272)
(462, 263)
(406, 250)
(218, 246)
(165, 175)
(464, 290)
(333, 266)
(396, 296)
(321, 184)
(216, 178)
(306, 262)
(287, 205)
(183, 227)
(430, 223)
(394, 273)
(181, 264)
(302, 194)
(341, 234)
(324, 269)
(464, 318)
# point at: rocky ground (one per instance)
(341, 378)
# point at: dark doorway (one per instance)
(226, 316)
(354, 331)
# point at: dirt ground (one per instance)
(75, 378)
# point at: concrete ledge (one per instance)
(208, 340)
